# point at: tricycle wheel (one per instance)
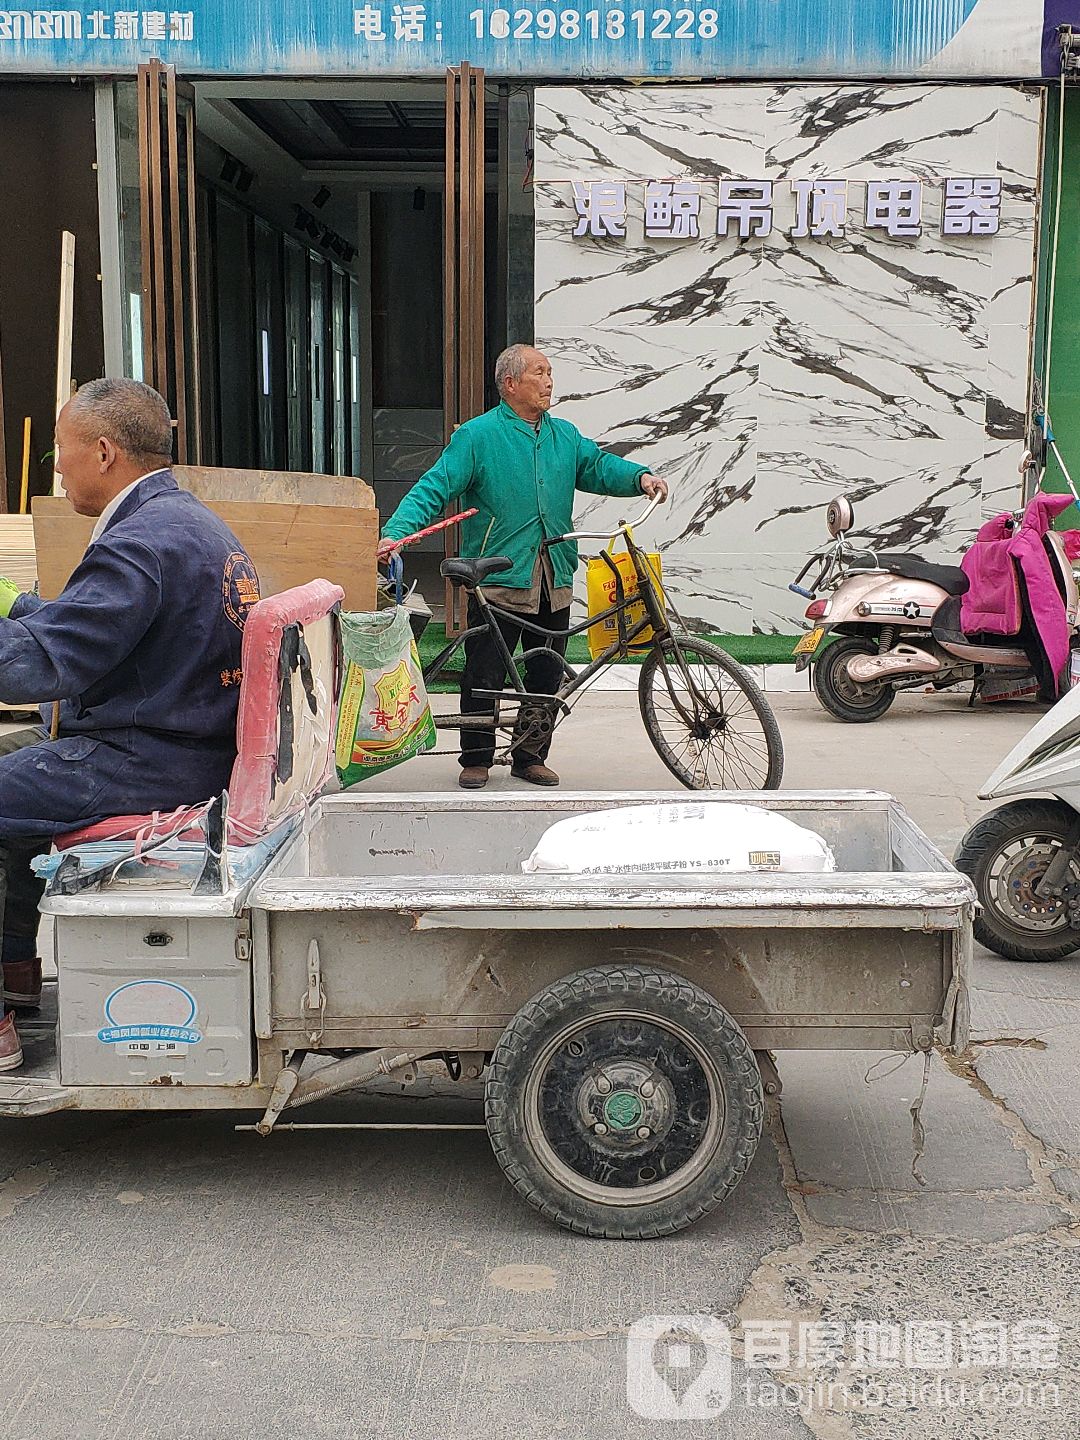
(623, 1102)
(1005, 855)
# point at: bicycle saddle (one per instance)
(471, 573)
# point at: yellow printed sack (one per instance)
(601, 595)
(383, 711)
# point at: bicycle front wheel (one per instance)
(707, 719)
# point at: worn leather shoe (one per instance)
(535, 774)
(11, 1056)
(22, 983)
(473, 777)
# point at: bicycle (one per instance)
(726, 735)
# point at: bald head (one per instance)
(107, 435)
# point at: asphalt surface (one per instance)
(170, 1276)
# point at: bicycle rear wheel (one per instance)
(707, 719)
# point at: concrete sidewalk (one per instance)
(170, 1276)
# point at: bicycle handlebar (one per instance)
(606, 534)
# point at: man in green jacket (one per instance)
(519, 467)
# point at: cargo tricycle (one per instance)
(282, 945)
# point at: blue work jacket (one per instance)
(143, 649)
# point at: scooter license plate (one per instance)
(809, 643)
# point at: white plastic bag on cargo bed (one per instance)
(682, 838)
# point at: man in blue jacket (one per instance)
(142, 649)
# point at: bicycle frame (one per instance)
(704, 713)
(654, 617)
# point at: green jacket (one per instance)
(522, 484)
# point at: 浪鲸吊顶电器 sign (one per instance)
(672, 209)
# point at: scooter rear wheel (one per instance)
(837, 691)
(1004, 855)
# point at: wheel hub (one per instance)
(623, 1110)
(852, 691)
(1017, 882)
(623, 1106)
(704, 727)
(625, 1101)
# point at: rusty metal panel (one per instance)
(176, 266)
(477, 308)
(194, 377)
(156, 262)
(464, 234)
(463, 273)
(450, 268)
(143, 92)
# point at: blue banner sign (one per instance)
(598, 39)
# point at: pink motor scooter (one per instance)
(897, 617)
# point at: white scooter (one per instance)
(1024, 857)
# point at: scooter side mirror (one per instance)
(840, 516)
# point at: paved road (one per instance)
(168, 1276)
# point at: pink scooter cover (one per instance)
(994, 565)
(992, 603)
(263, 790)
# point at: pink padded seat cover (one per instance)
(258, 800)
(992, 603)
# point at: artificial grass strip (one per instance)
(747, 649)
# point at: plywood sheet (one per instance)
(278, 487)
(290, 544)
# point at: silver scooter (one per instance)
(1024, 857)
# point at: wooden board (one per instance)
(18, 563)
(278, 487)
(17, 560)
(65, 328)
(290, 544)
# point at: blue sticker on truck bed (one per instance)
(144, 1013)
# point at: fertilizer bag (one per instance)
(383, 711)
(602, 576)
(686, 838)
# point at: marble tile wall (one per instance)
(762, 376)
